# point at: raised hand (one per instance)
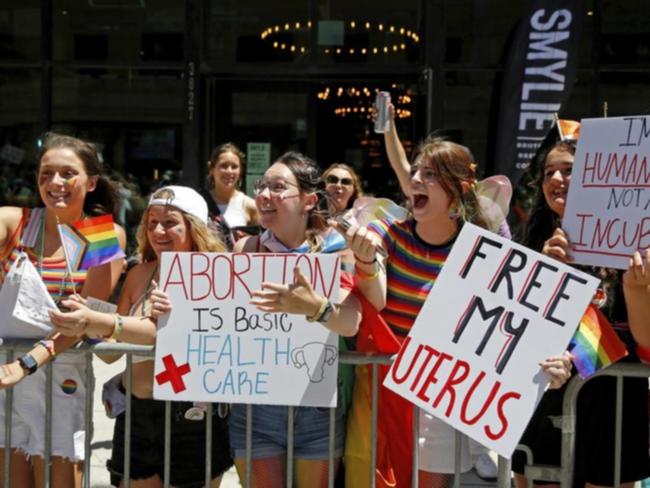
(362, 243)
(73, 323)
(558, 368)
(638, 272)
(160, 303)
(298, 297)
(558, 246)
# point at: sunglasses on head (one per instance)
(335, 180)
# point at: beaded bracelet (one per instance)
(47, 344)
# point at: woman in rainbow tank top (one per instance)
(70, 186)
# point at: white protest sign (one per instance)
(607, 216)
(495, 312)
(216, 347)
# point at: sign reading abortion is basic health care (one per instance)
(496, 311)
(608, 206)
(215, 346)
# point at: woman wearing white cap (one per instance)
(175, 220)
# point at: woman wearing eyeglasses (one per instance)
(342, 185)
(291, 205)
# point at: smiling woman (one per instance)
(225, 169)
(70, 186)
(175, 221)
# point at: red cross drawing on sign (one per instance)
(173, 374)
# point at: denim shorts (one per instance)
(310, 431)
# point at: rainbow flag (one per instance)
(595, 344)
(90, 242)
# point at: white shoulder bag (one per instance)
(24, 302)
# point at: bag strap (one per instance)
(15, 239)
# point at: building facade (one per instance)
(158, 83)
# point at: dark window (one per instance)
(20, 30)
(119, 31)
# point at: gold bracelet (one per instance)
(118, 326)
(317, 315)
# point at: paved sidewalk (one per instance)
(103, 426)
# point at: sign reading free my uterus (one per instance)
(215, 346)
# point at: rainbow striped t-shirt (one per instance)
(411, 270)
(52, 269)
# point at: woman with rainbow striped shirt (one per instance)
(70, 186)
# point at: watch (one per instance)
(28, 363)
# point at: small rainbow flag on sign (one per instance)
(90, 242)
(595, 344)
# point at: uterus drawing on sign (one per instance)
(313, 356)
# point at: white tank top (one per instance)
(235, 212)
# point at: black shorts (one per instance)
(187, 457)
(594, 455)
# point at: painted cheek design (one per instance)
(71, 182)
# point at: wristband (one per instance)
(47, 344)
(118, 326)
(362, 275)
(374, 260)
(319, 313)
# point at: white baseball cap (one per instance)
(183, 198)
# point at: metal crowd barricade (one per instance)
(352, 358)
(564, 473)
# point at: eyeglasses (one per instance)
(335, 180)
(276, 187)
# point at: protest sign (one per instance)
(473, 355)
(607, 216)
(215, 346)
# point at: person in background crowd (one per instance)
(342, 185)
(624, 300)
(175, 221)
(70, 187)
(225, 170)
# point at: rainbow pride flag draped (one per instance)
(595, 344)
(90, 242)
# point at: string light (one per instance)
(355, 101)
(397, 38)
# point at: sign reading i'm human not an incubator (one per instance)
(607, 217)
(215, 346)
(496, 311)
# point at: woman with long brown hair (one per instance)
(70, 187)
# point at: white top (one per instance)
(235, 211)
